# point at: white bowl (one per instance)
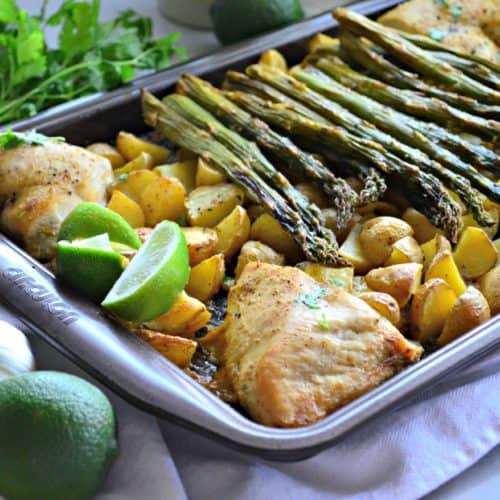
(194, 13)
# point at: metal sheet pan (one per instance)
(131, 368)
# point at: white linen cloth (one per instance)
(402, 455)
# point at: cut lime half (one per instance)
(90, 266)
(155, 277)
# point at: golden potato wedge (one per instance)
(201, 242)
(399, 280)
(385, 304)
(134, 183)
(206, 278)
(443, 266)
(144, 161)
(423, 229)
(330, 221)
(255, 251)
(313, 194)
(232, 232)
(378, 208)
(331, 276)
(178, 350)
(268, 230)
(489, 284)
(163, 199)
(129, 209)
(379, 234)
(431, 305)
(492, 209)
(274, 59)
(208, 175)
(183, 154)
(109, 152)
(405, 250)
(184, 318)
(144, 233)
(475, 254)
(470, 310)
(130, 146)
(352, 250)
(430, 248)
(254, 211)
(184, 171)
(321, 41)
(207, 205)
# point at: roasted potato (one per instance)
(143, 161)
(207, 205)
(378, 208)
(352, 250)
(313, 194)
(385, 304)
(470, 310)
(109, 152)
(269, 231)
(254, 211)
(489, 284)
(475, 253)
(274, 59)
(163, 199)
(400, 281)
(330, 221)
(178, 350)
(184, 318)
(255, 251)
(208, 175)
(206, 278)
(184, 171)
(443, 266)
(378, 235)
(331, 276)
(423, 229)
(134, 183)
(430, 248)
(431, 305)
(129, 209)
(130, 146)
(232, 232)
(201, 242)
(492, 208)
(405, 250)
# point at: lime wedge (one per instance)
(91, 219)
(155, 277)
(90, 266)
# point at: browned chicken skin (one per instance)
(296, 350)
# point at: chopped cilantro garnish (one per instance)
(122, 177)
(456, 10)
(10, 139)
(227, 278)
(436, 34)
(442, 3)
(324, 324)
(336, 282)
(182, 220)
(310, 300)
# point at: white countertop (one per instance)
(482, 481)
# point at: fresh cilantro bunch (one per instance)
(91, 56)
(10, 139)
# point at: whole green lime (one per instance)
(57, 437)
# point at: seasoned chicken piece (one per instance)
(465, 24)
(34, 217)
(296, 350)
(86, 173)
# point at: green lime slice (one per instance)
(91, 219)
(90, 266)
(155, 277)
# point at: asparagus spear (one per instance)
(414, 57)
(374, 185)
(340, 116)
(407, 101)
(249, 152)
(183, 133)
(399, 125)
(423, 189)
(342, 196)
(367, 56)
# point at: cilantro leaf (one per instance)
(324, 324)
(456, 10)
(311, 300)
(436, 34)
(10, 139)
